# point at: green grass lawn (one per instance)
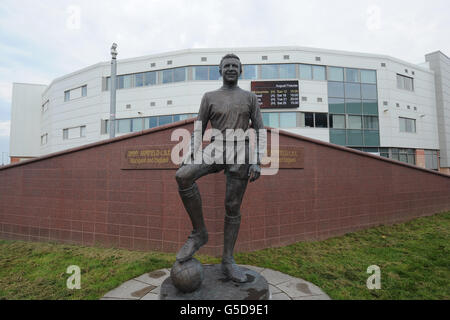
(413, 257)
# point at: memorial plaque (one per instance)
(148, 157)
(289, 157)
(276, 94)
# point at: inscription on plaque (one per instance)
(148, 157)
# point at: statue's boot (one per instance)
(199, 235)
(229, 266)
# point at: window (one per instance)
(136, 124)
(249, 72)
(431, 160)
(407, 125)
(354, 122)
(318, 73)
(336, 105)
(369, 91)
(271, 119)
(288, 119)
(287, 71)
(352, 75)
(124, 81)
(353, 90)
(149, 78)
(335, 89)
(309, 119)
(75, 132)
(368, 76)
(353, 106)
(167, 76)
(405, 83)
(66, 95)
(335, 74)
(320, 120)
(305, 72)
(337, 121)
(123, 125)
(201, 73)
(269, 71)
(84, 91)
(44, 139)
(139, 79)
(370, 123)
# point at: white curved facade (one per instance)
(403, 109)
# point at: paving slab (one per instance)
(131, 289)
(299, 288)
(275, 277)
(155, 278)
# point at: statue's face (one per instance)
(231, 69)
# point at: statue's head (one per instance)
(230, 67)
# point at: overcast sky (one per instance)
(42, 40)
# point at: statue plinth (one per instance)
(216, 286)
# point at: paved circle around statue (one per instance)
(281, 286)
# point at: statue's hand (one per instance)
(254, 172)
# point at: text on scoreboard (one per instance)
(276, 94)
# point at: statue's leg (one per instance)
(234, 194)
(192, 201)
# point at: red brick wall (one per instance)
(82, 196)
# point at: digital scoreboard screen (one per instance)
(276, 94)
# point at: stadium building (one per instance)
(373, 103)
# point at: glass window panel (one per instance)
(336, 105)
(369, 91)
(368, 76)
(165, 120)
(201, 73)
(214, 73)
(179, 74)
(288, 120)
(269, 71)
(403, 157)
(136, 124)
(354, 122)
(309, 119)
(249, 72)
(153, 122)
(338, 137)
(84, 91)
(139, 79)
(321, 120)
(318, 73)
(120, 80)
(335, 89)
(371, 138)
(287, 71)
(335, 74)
(123, 125)
(67, 95)
(402, 124)
(337, 121)
(167, 76)
(400, 83)
(305, 72)
(371, 123)
(127, 81)
(351, 75)
(150, 78)
(176, 117)
(271, 119)
(354, 137)
(353, 90)
(370, 107)
(411, 159)
(82, 131)
(353, 106)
